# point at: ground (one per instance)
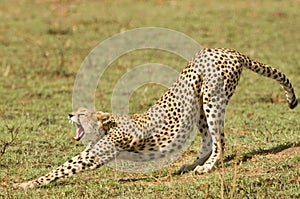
(44, 42)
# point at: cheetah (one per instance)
(196, 100)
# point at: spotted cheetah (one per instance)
(197, 100)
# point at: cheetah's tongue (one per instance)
(79, 133)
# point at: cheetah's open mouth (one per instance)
(79, 129)
(79, 132)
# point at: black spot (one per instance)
(73, 170)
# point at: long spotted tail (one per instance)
(273, 73)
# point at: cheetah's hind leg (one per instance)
(214, 104)
(206, 148)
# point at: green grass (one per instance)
(43, 44)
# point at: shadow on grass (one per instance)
(248, 156)
(244, 158)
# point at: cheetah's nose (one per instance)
(71, 115)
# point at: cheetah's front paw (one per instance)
(24, 185)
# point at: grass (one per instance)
(44, 42)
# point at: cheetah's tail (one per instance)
(273, 73)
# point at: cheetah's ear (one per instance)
(101, 116)
(105, 120)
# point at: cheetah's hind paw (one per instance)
(185, 169)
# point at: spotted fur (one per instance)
(197, 99)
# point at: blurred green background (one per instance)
(42, 44)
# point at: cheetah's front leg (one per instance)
(79, 163)
(86, 160)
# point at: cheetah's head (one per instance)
(90, 125)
